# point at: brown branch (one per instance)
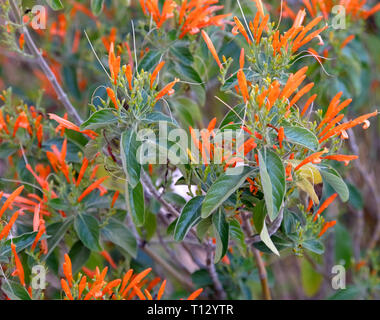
(220, 293)
(256, 253)
(62, 96)
(371, 183)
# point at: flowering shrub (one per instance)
(131, 187)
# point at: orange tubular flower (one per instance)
(109, 259)
(243, 85)
(281, 136)
(327, 226)
(312, 158)
(136, 280)
(195, 294)
(3, 125)
(19, 269)
(155, 73)
(10, 199)
(341, 157)
(22, 122)
(67, 270)
(82, 171)
(21, 41)
(161, 290)
(41, 231)
(347, 41)
(167, 90)
(4, 233)
(82, 285)
(66, 289)
(239, 27)
(112, 96)
(114, 198)
(299, 94)
(324, 205)
(91, 188)
(211, 48)
(71, 126)
(263, 25)
(308, 103)
(114, 63)
(128, 73)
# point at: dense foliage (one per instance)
(108, 185)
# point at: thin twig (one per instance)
(61, 95)
(220, 293)
(147, 183)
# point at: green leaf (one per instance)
(14, 290)
(237, 234)
(221, 231)
(97, 6)
(350, 293)
(272, 173)
(190, 216)
(333, 178)
(279, 243)
(79, 255)
(203, 227)
(150, 225)
(58, 204)
(150, 60)
(301, 136)
(235, 115)
(314, 246)
(223, 187)
(87, 229)
(264, 235)
(7, 149)
(99, 119)
(128, 150)
(189, 73)
(55, 4)
(57, 231)
(180, 49)
(155, 117)
(171, 227)
(22, 242)
(119, 234)
(136, 200)
(259, 214)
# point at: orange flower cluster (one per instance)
(328, 126)
(193, 15)
(293, 39)
(354, 8)
(130, 286)
(209, 150)
(328, 224)
(30, 121)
